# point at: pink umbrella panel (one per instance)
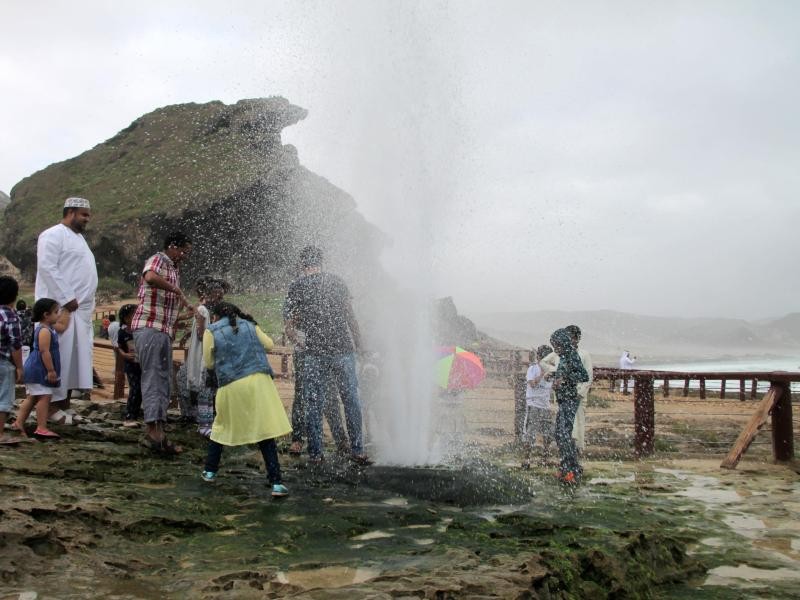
(458, 369)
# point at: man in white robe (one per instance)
(66, 272)
(626, 362)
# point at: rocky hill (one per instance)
(5, 200)
(218, 172)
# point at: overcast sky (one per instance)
(634, 156)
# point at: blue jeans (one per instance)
(566, 445)
(269, 452)
(318, 370)
(330, 410)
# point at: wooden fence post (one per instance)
(686, 388)
(722, 389)
(702, 388)
(741, 390)
(782, 434)
(644, 416)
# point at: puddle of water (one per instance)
(496, 511)
(674, 472)
(291, 518)
(745, 525)
(418, 526)
(611, 480)
(444, 523)
(713, 542)
(400, 501)
(372, 535)
(728, 575)
(327, 577)
(704, 489)
(226, 532)
(424, 541)
(783, 546)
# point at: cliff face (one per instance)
(218, 172)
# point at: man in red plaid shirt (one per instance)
(153, 326)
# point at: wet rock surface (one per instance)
(96, 515)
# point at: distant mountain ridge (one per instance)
(607, 333)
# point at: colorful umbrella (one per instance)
(458, 369)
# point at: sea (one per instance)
(728, 364)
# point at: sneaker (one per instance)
(569, 478)
(130, 424)
(279, 490)
(296, 449)
(209, 476)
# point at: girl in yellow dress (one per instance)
(249, 410)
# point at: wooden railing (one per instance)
(748, 381)
(779, 396)
(283, 354)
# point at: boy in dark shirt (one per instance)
(568, 375)
(133, 371)
(10, 350)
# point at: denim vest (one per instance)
(237, 355)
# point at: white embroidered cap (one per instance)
(76, 203)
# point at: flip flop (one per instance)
(46, 434)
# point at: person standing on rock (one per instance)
(579, 428)
(153, 327)
(66, 271)
(625, 363)
(568, 375)
(319, 305)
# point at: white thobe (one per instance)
(579, 427)
(625, 362)
(66, 270)
(549, 364)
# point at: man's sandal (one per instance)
(161, 447)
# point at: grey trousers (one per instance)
(154, 352)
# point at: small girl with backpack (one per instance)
(43, 365)
(249, 410)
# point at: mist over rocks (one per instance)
(218, 172)
(607, 333)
